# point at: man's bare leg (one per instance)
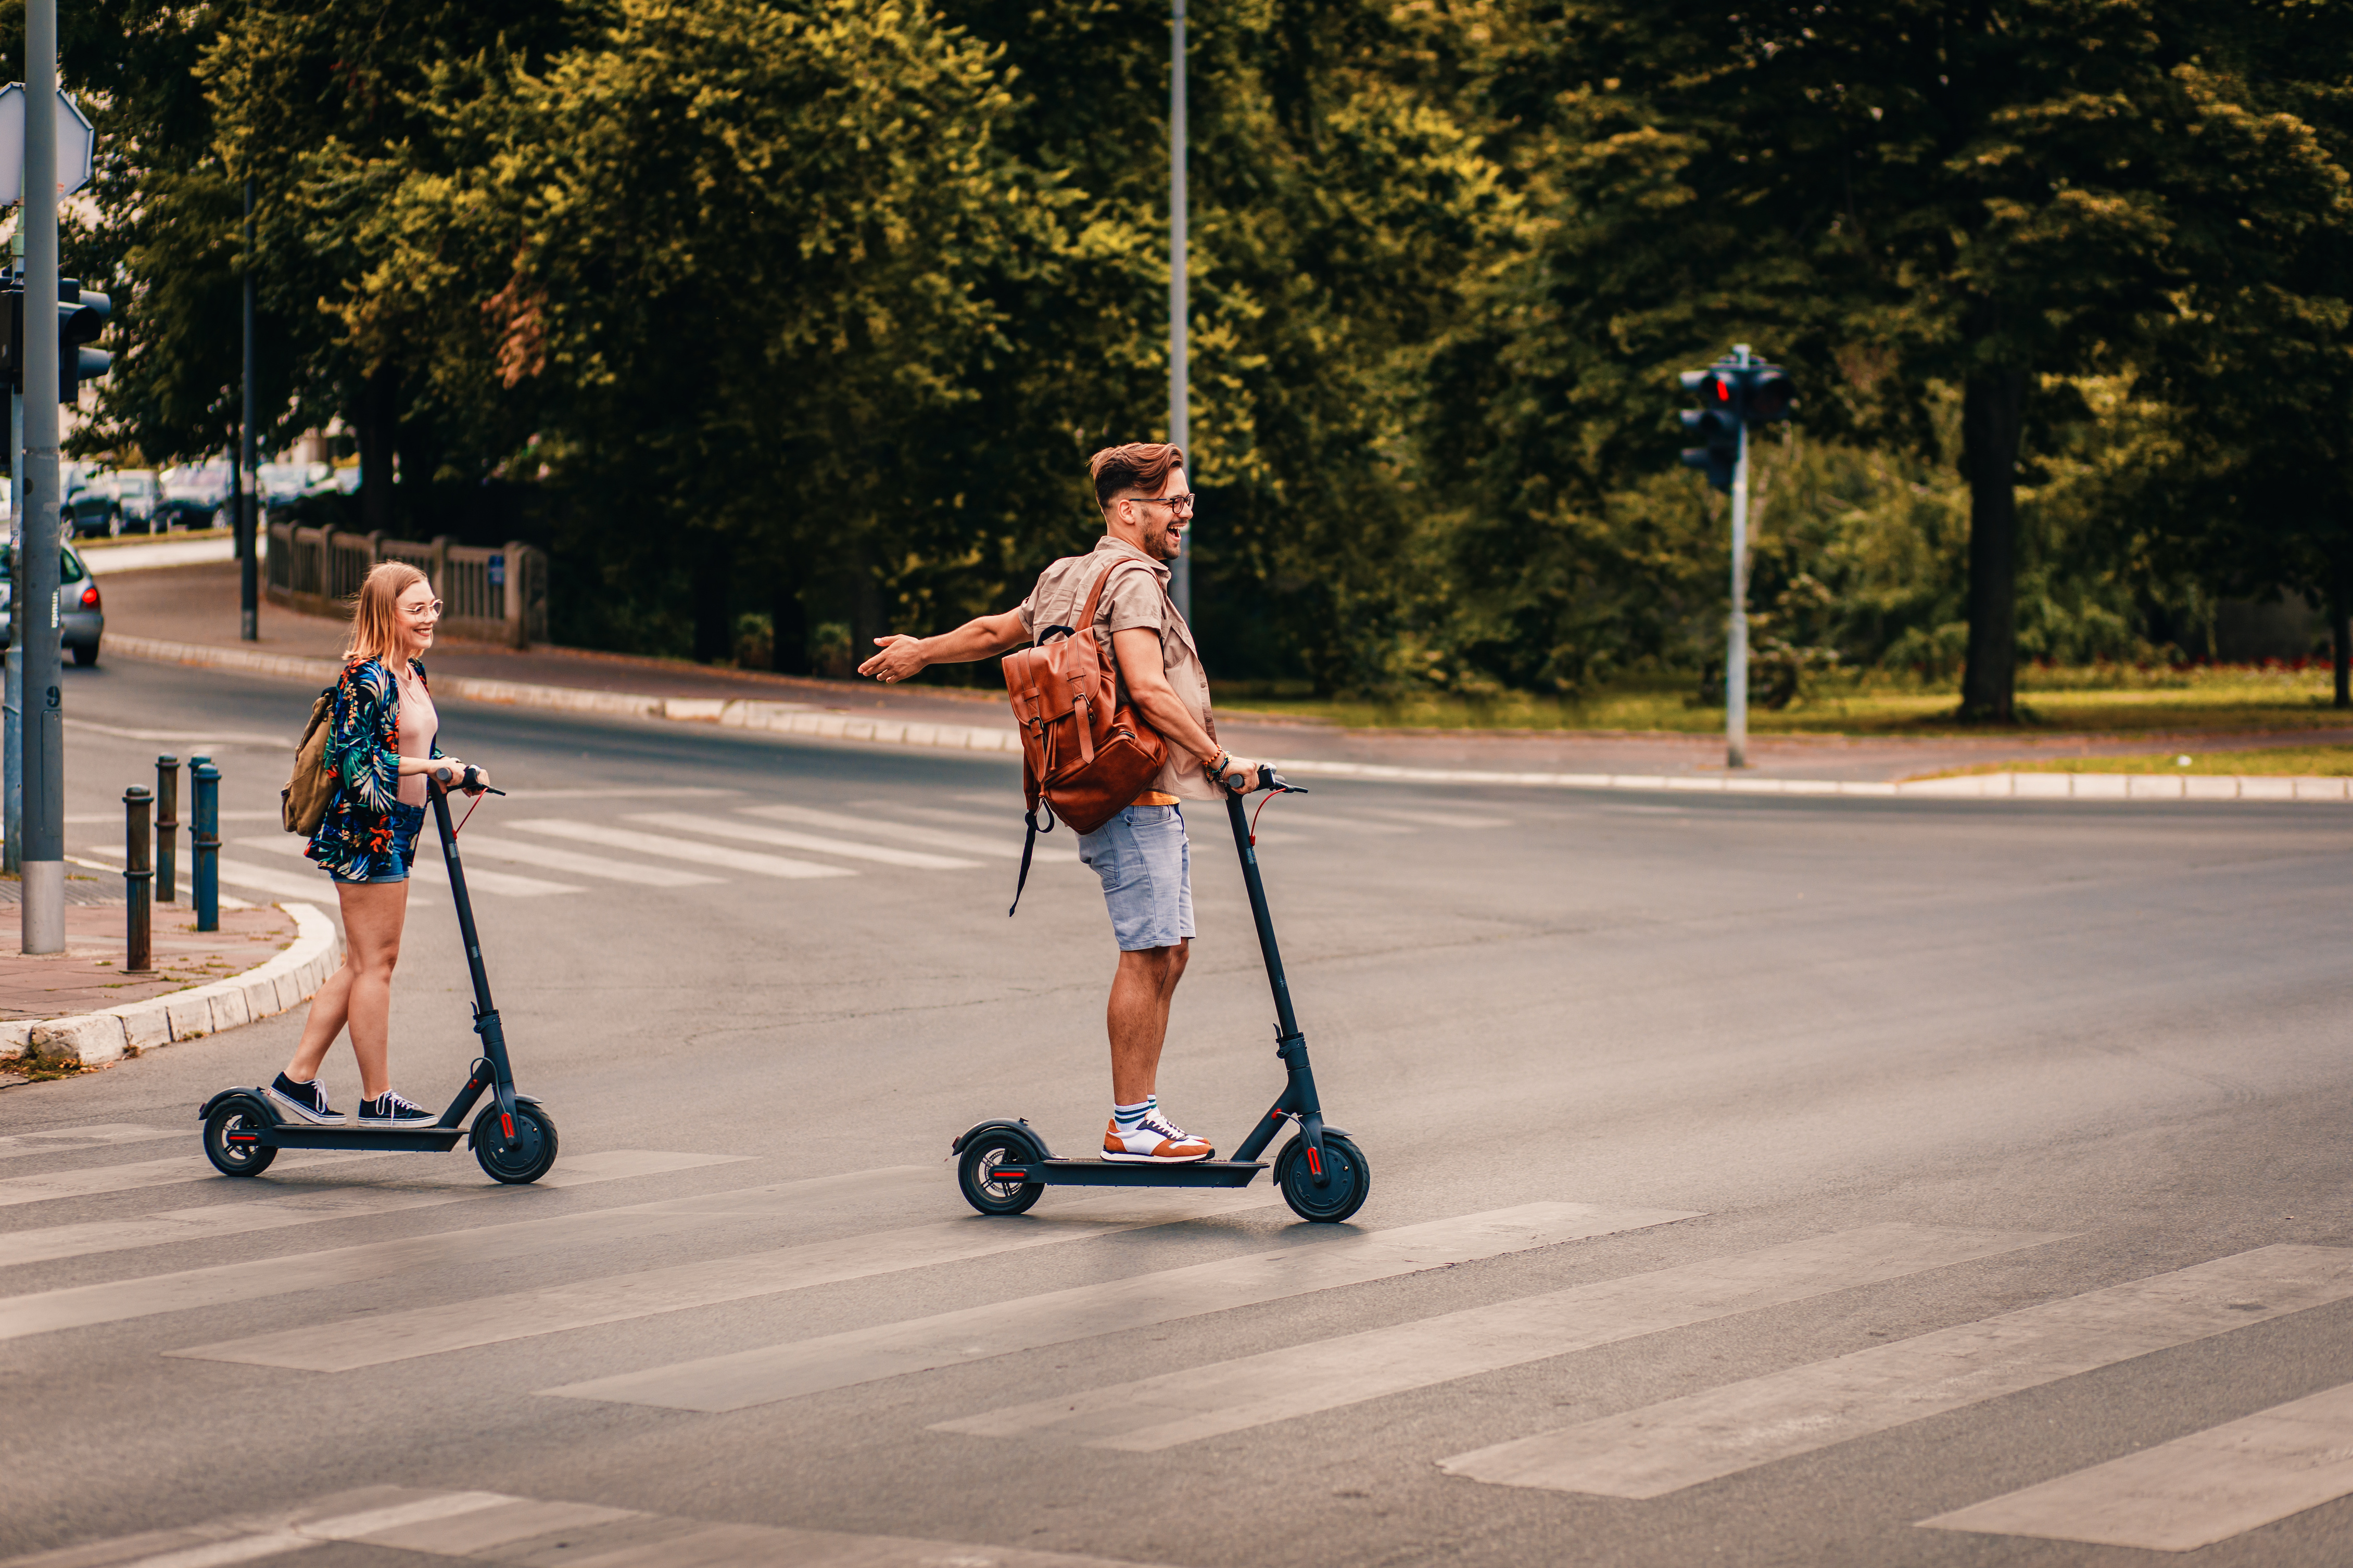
(1137, 1017)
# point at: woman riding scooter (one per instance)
(380, 747)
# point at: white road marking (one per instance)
(114, 1302)
(374, 1339)
(1307, 813)
(785, 838)
(1680, 1443)
(316, 888)
(97, 1179)
(490, 1527)
(2193, 1492)
(97, 1135)
(875, 827)
(551, 860)
(1162, 1412)
(427, 868)
(187, 738)
(678, 848)
(1322, 1261)
(211, 1220)
(1436, 815)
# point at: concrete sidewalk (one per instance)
(188, 615)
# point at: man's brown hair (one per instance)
(1140, 466)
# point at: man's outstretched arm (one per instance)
(983, 638)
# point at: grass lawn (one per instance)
(2051, 702)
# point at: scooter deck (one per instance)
(434, 1140)
(1107, 1173)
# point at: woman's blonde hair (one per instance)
(374, 632)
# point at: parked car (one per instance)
(282, 482)
(136, 494)
(194, 496)
(81, 616)
(89, 506)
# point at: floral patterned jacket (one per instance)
(363, 754)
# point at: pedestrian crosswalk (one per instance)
(714, 840)
(1367, 1313)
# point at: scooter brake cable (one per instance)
(1261, 809)
(468, 817)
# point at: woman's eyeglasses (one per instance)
(432, 609)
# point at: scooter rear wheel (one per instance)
(1343, 1195)
(229, 1134)
(534, 1150)
(987, 1191)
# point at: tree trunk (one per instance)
(789, 640)
(2339, 619)
(714, 636)
(379, 422)
(1993, 402)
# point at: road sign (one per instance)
(77, 144)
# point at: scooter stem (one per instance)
(486, 1017)
(1287, 1022)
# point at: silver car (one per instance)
(81, 616)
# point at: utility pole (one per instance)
(249, 586)
(43, 866)
(12, 783)
(1180, 571)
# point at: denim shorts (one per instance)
(391, 864)
(1146, 867)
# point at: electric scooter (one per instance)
(513, 1139)
(1004, 1166)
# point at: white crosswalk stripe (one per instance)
(213, 1220)
(1320, 1261)
(427, 867)
(678, 848)
(529, 1532)
(379, 1337)
(78, 1306)
(311, 888)
(2193, 1492)
(1163, 1412)
(1003, 845)
(476, 845)
(1664, 1447)
(786, 838)
(97, 1135)
(97, 1179)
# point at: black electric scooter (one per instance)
(513, 1139)
(1004, 1166)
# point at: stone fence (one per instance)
(487, 596)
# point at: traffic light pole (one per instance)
(12, 782)
(43, 866)
(1180, 570)
(1735, 658)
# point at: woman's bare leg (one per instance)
(358, 995)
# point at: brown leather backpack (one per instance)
(1085, 756)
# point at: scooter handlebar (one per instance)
(1265, 778)
(471, 782)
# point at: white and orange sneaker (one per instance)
(1155, 1142)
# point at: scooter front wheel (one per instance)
(233, 1140)
(1343, 1195)
(984, 1189)
(534, 1145)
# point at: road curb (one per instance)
(286, 981)
(799, 719)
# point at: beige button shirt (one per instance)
(1133, 598)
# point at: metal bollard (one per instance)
(167, 829)
(204, 836)
(135, 879)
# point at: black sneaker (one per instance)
(305, 1102)
(390, 1110)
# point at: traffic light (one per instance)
(1734, 391)
(81, 317)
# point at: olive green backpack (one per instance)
(313, 784)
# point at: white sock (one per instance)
(1129, 1119)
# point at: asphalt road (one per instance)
(1720, 1132)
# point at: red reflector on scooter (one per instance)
(507, 1122)
(1314, 1165)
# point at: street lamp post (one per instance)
(249, 593)
(43, 865)
(1180, 571)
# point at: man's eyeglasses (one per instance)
(1181, 505)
